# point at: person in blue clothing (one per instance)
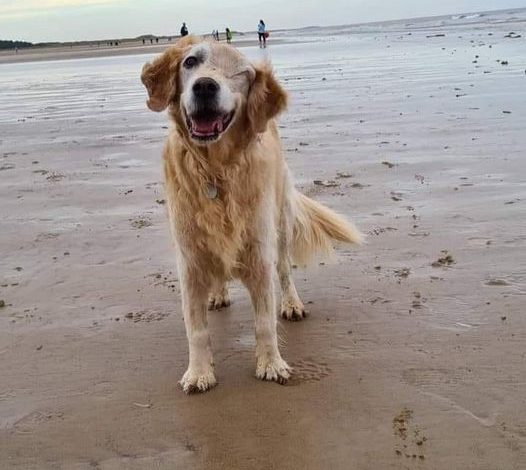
(184, 30)
(262, 34)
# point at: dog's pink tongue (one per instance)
(207, 127)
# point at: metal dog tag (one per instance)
(211, 191)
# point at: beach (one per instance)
(413, 354)
(103, 49)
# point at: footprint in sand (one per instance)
(307, 370)
(141, 222)
(145, 316)
(410, 440)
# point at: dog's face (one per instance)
(212, 89)
(215, 80)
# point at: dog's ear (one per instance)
(266, 98)
(160, 76)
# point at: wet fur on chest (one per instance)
(214, 231)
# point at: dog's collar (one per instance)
(210, 190)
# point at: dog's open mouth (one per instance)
(210, 126)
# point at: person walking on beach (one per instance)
(184, 30)
(262, 34)
(228, 35)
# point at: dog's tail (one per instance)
(315, 227)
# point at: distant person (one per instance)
(217, 35)
(262, 34)
(143, 42)
(184, 30)
(228, 35)
(157, 40)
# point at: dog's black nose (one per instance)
(205, 88)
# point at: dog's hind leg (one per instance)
(199, 376)
(219, 297)
(292, 307)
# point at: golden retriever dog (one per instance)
(232, 207)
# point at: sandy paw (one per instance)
(194, 382)
(219, 300)
(276, 370)
(293, 310)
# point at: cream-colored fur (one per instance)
(258, 222)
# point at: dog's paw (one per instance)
(219, 300)
(276, 370)
(195, 382)
(293, 310)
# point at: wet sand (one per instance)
(414, 352)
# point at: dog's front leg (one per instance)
(257, 277)
(199, 376)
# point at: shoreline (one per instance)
(129, 46)
(90, 52)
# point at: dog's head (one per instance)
(211, 89)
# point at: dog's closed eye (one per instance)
(249, 71)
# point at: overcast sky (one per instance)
(65, 20)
